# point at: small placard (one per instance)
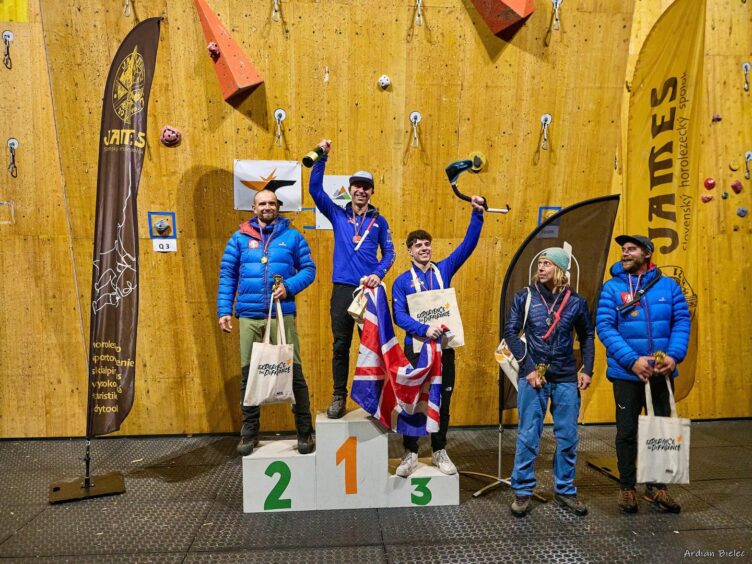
(165, 245)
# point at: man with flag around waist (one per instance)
(425, 275)
(548, 373)
(359, 233)
(265, 246)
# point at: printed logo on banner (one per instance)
(128, 86)
(281, 177)
(549, 231)
(335, 186)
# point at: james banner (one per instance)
(114, 287)
(284, 178)
(663, 147)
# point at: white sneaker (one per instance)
(408, 465)
(442, 461)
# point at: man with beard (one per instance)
(265, 246)
(359, 233)
(554, 314)
(424, 276)
(644, 323)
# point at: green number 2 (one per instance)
(421, 487)
(274, 499)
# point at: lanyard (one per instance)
(418, 283)
(357, 228)
(637, 287)
(266, 242)
(550, 310)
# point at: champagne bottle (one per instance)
(313, 156)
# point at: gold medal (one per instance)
(264, 260)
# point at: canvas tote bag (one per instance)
(509, 365)
(662, 445)
(270, 371)
(436, 305)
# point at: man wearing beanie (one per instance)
(644, 323)
(359, 233)
(549, 374)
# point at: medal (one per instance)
(356, 238)
(264, 260)
(548, 321)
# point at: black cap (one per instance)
(639, 240)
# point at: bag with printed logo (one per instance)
(357, 309)
(508, 363)
(662, 445)
(436, 305)
(270, 371)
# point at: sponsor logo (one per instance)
(253, 244)
(128, 86)
(271, 369)
(434, 314)
(270, 182)
(665, 444)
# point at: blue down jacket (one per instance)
(243, 275)
(660, 322)
(558, 350)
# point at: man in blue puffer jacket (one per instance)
(549, 373)
(264, 246)
(359, 233)
(640, 313)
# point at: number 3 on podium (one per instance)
(348, 453)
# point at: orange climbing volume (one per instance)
(235, 71)
(499, 15)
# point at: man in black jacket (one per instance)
(548, 370)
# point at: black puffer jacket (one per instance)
(558, 350)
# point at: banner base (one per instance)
(605, 465)
(111, 483)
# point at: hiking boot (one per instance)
(571, 503)
(408, 465)
(521, 505)
(246, 445)
(661, 500)
(442, 461)
(628, 501)
(306, 443)
(337, 408)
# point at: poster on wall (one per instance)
(335, 186)
(284, 178)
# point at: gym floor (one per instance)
(184, 504)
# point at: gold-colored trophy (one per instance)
(277, 281)
(659, 357)
(542, 368)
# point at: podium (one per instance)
(348, 470)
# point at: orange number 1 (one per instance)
(348, 453)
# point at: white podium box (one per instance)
(351, 462)
(425, 487)
(276, 477)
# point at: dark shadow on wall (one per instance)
(496, 45)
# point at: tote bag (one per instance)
(436, 305)
(662, 444)
(510, 365)
(270, 371)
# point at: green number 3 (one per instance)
(274, 499)
(421, 487)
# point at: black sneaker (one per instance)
(661, 500)
(337, 408)
(521, 505)
(571, 503)
(306, 444)
(246, 445)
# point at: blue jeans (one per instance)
(532, 404)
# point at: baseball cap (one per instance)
(639, 240)
(362, 176)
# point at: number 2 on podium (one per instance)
(348, 453)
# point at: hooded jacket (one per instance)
(247, 282)
(659, 322)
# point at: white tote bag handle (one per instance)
(281, 337)
(416, 284)
(649, 399)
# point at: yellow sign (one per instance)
(14, 11)
(661, 191)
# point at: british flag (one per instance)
(403, 397)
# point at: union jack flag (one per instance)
(403, 397)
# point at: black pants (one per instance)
(301, 409)
(438, 439)
(630, 402)
(342, 331)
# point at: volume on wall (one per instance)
(321, 63)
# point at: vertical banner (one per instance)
(663, 147)
(114, 285)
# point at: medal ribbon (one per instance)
(357, 227)
(266, 242)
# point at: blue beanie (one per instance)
(558, 256)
